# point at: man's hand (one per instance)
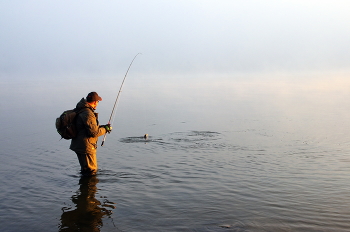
(108, 128)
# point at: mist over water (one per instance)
(224, 153)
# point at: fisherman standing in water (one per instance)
(88, 131)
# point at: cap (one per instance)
(93, 96)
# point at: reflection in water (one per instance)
(88, 213)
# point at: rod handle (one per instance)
(103, 141)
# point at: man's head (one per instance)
(93, 99)
(93, 96)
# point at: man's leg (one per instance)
(88, 163)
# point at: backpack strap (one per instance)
(78, 111)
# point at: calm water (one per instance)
(222, 155)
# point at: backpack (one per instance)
(65, 124)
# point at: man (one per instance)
(88, 131)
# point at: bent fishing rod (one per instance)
(116, 100)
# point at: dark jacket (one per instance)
(88, 129)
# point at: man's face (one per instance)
(94, 104)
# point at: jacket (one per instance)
(88, 129)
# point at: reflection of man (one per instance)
(88, 213)
(85, 143)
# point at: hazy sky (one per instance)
(40, 37)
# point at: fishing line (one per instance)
(116, 100)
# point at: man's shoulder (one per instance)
(85, 112)
(82, 110)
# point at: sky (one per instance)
(175, 37)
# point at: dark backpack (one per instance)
(65, 124)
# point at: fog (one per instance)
(99, 38)
(196, 55)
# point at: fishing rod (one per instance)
(116, 100)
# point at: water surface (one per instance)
(222, 155)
